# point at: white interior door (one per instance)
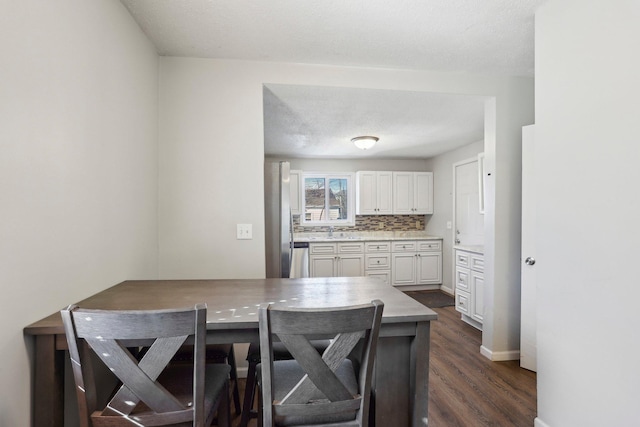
(528, 347)
(469, 222)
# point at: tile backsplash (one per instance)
(370, 223)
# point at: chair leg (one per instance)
(224, 408)
(234, 377)
(249, 392)
(260, 409)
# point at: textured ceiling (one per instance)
(463, 36)
(319, 122)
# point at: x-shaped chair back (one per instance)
(115, 337)
(354, 332)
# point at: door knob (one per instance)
(529, 261)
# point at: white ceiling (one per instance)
(462, 36)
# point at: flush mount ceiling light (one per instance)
(364, 142)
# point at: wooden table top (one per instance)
(233, 303)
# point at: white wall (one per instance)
(588, 149)
(442, 168)
(78, 167)
(212, 159)
(354, 165)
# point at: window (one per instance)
(328, 199)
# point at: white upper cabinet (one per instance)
(374, 193)
(295, 177)
(412, 192)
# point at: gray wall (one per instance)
(78, 167)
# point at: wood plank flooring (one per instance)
(465, 388)
(468, 390)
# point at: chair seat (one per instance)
(178, 380)
(287, 373)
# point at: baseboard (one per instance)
(242, 372)
(448, 291)
(539, 423)
(417, 287)
(499, 356)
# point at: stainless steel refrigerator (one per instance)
(278, 220)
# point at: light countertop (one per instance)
(364, 236)
(479, 249)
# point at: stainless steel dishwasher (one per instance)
(300, 260)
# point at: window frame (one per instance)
(351, 194)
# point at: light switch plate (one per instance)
(449, 225)
(244, 232)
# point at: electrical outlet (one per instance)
(418, 225)
(381, 225)
(244, 231)
(449, 225)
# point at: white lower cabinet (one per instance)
(416, 262)
(469, 284)
(395, 262)
(342, 259)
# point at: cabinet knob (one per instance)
(378, 261)
(530, 261)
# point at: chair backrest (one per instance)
(115, 337)
(354, 334)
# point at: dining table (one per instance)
(401, 377)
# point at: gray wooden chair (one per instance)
(312, 389)
(152, 392)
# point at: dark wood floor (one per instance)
(465, 388)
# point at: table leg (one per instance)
(391, 382)
(420, 375)
(48, 383)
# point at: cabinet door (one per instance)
(294, 192)
(477, 296)
(423, 193)
(403, 192)
(350, 265)
(366, 193)
(404, 268)
(385, 193)
(429, 268)
(322, 266)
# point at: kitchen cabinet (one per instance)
(416, 262)
(295, 192)
(374, 193)
(413, 193)
(377, 260)
(469, 283)
(339, 259)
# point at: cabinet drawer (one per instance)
(476, 262)
(377, 261)
(429, 245)
(370, 247)
(463, 302)
(351, 248)
(384, 275)
(463, 279)
(403, 246)
(462, 259)
(323, 248)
